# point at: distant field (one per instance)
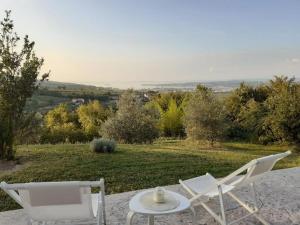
(134, 166)
(43, 103)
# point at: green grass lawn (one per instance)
(134, 167)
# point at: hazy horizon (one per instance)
(161, 41)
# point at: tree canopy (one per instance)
(19, 72)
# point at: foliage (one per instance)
(19, 72)
(29, 129)
(61, 125)
(91, 116)
(267, 113)
(64, 136)
(171, 109)
(251, 118)
(134, 167)
(204, 116)
(282, 122)
(133, 122)
(102, 145)
(61, 118)
(237, 113)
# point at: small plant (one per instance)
(102, 145)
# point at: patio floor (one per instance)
(279, 199)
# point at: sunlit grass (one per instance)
(134, 167)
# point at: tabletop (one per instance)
(136, 206)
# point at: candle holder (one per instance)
(159, 195)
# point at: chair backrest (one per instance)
(255, 168)
(265, 164)
(53, 200)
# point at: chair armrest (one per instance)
(187, 188)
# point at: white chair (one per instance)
(59, 201)
(205, 187)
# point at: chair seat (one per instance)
(199, 185)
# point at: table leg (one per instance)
(150, 220)
(129, 218)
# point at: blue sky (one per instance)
(161, 40)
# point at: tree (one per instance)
(19, 72)
(282, 122)
(91, 116)
(29, 129)
(60, 118)
(204, 117)
(251, 119)
(133, 122)
(171, 109)
(239, 105)
(171, 122)
(62, 125)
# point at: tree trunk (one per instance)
(1, 150)
(10, 139)
(7, 140)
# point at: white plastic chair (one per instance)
(205, 187)
(59, 201)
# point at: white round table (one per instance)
(136, 207)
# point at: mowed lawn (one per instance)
(134, 167)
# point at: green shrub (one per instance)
(204, 116)
(101, 145)
(64, 136)
(133, 122)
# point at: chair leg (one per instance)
(99, 217)
(104, 214)
(29, 222)
(194, 215)
(222, 206)
(150, 220)
(243, 204)
(254, 195)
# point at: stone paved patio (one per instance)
(279, 201)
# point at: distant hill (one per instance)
(61, 85)
(218, 86)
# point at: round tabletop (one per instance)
(136, 206)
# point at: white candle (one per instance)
(159, 195)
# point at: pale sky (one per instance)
(161, 40)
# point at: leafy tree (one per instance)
(61, 125)
(91, 116)
(282, 122)
(133, 122)
(60, 118)
(163, 99)
(251, 118)
(19, 72)
(204, 117)
(236, 105)
(171, 109)
(29, 129)
(171, 122)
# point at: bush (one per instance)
(64, 136)
(101, 145)
(91, 116)
(204, 117)
(133, 122)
